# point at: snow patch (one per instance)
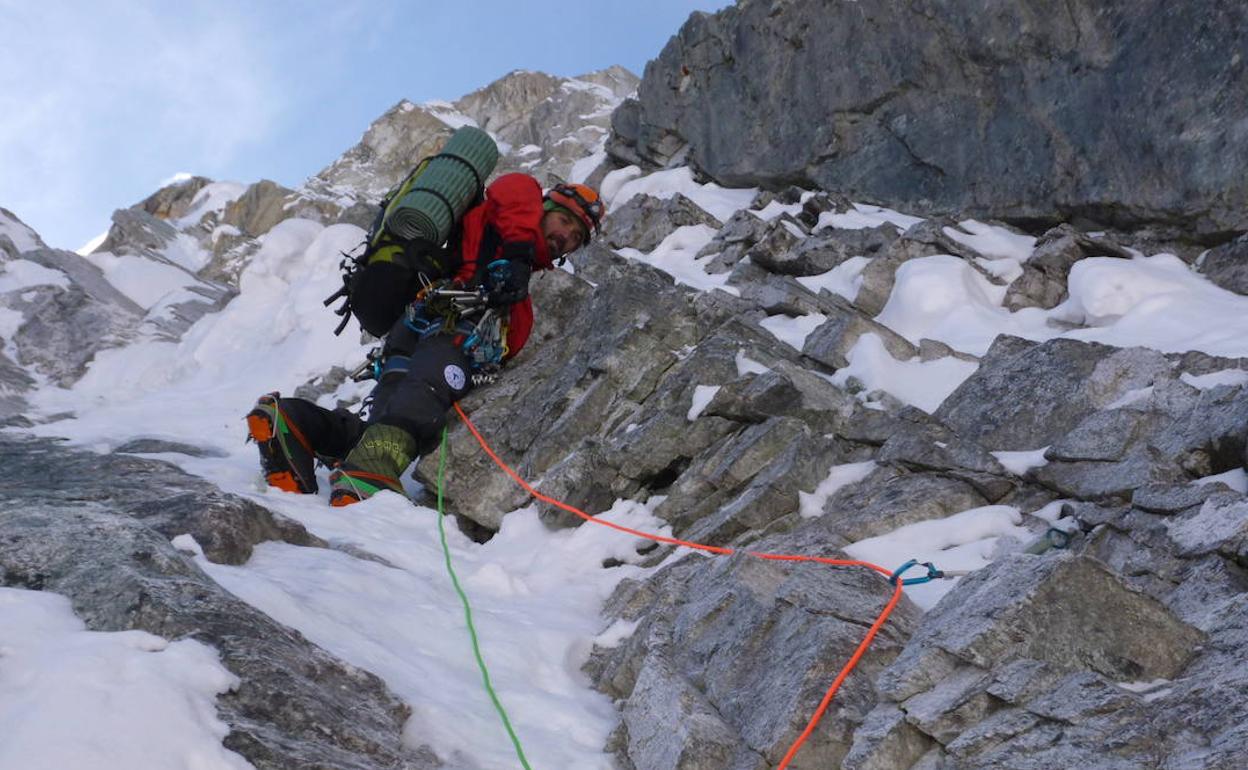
(72, 698)
(811, 503)
(963, 541)
(702, 395)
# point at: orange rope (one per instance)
(853, 660)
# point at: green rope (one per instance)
(472, 631)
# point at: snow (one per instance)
(92, 244)
(72, 698)
(536, 593)
(747, 365)
(452, 117)
(918, 383)
(1133, 396)
(992, 241)
(142, 279)
(1233, 377)
(1214, 523)
(963, 541)
(1019, 463)
(840, 476)
(719, 202)
(22, 236)
(677, 256)
(19, 274)
(791, 330)
(702, 395)
(1236, 479)
(1157, 302)
(845, 279)
(862, 216)
(943, 298)
(585, 166)
(212, 198)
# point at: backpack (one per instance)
(414, 238)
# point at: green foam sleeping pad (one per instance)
(442, 188)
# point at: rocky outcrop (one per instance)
(545, 124)
(66, 322)
(173, 201)
(964, 107)
(689, 701)
(97, 529)
(1227, 266)
(1021, 667)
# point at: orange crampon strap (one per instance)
(849, 665)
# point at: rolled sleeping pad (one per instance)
(443, 191)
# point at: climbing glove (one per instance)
(507, 278)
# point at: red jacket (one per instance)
(513, 207)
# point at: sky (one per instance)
(87, 699)
(103, 102)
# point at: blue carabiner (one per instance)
(932, 573)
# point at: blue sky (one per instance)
(101, 102)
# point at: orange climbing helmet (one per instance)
(582, 202)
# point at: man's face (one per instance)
(564, 233)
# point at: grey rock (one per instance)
(787, 390)
(157, 493)
(954, 704)
(1227, 265)
(825, 250)
(1178, 433)
(831, 341)
(1056, 611)
(296, 706)
(158, 446)
(173, 201)
(931, 119)
(644, 221)
(774, 294)
(1021, 680)
(1026, 395)
(672, 726)
(745, 483)
(260, 208)
(892, 497)
(1171, 498)
(8, 248)
(712, 615)
(733, 241)
(934, 350)
(886, 740)
(65, 326)
(1043, 282)
(136, 232)
(1103, 436)
(1219, 526)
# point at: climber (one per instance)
(434, 354)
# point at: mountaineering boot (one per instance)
(373, 465)
(286, 459)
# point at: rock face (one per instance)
(1123, 649)
(968, 106)
(545, 124)
(98, 529)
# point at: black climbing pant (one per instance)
(420, 380)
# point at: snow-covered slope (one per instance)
(805, 295)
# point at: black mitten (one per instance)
(507, 278)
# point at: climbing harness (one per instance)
(478, 329)
(894, 577)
